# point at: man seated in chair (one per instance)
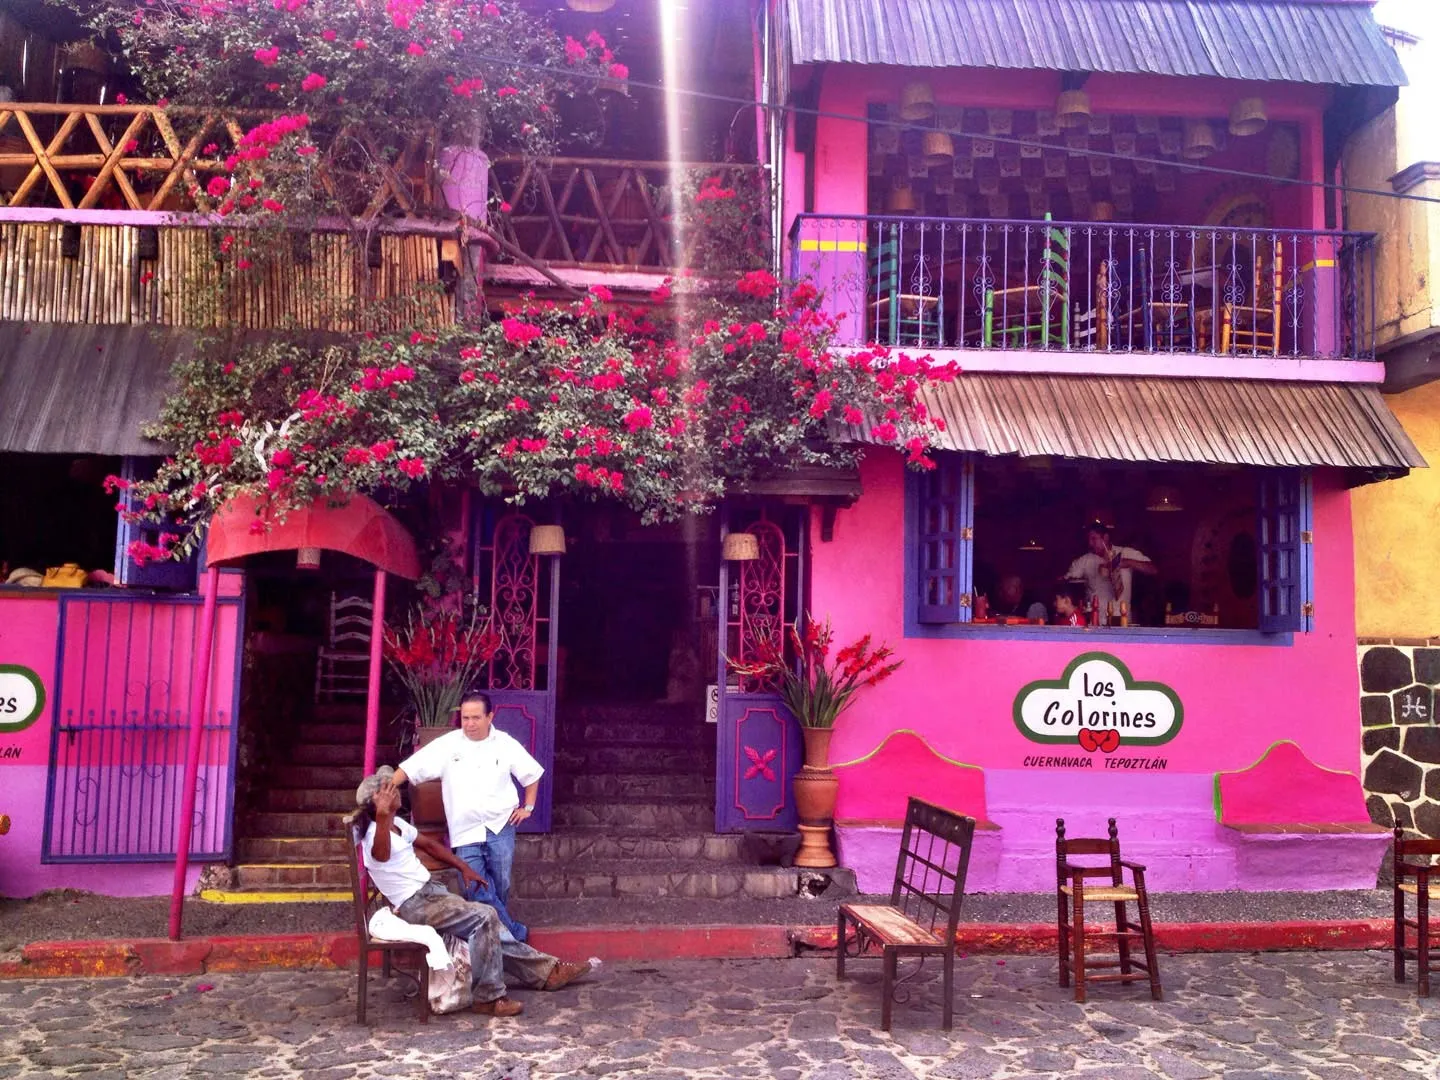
(389, 848)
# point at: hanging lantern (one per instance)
(1163, 500)
(938, 148)
(1032, 545)
(1247, 116)
(917, 101)
(1102, 211)
(592, 7)
(1199, 140)
(740, 547)
(547, 540)
(1072, 109)
(307, 558)
(901, 200)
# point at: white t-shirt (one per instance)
(1092, 570)
(400, 876)
(477, 778)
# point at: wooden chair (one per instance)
(343, 666)
(900, 315)
(1417, 876)
(1022, 313)
(365, 897)
(924, 904)
(1070, 896)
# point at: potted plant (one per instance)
(438, 654)
(817, 689)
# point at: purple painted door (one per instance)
(758, 745)
(522, 593)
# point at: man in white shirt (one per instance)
(389, 848)
(478, 767)
(1108, 571)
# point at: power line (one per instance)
(903, 125)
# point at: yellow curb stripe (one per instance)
(222, 896)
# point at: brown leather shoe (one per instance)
(563, 974)
(502, 1006)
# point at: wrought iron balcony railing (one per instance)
(1091, 287)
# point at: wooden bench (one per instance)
(924, 902)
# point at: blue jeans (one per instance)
(492, 860)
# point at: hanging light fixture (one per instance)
(938, 148)
(1248, 117)
(1199, 140)
(901, 200)
(740, 547)
(307, 558)
(1072, 109)
(1032, 545)
(1102, 211)
(547, 540)
(1163, 499)
(917, 101)
(593, 7)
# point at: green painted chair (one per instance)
(1043, 310)
(897, 316)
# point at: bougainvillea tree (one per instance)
(593, 399)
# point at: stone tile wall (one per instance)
(1400, 733)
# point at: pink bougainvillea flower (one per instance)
(328, 35)
(411, 467)
(506, 91)
(305, 151)
(415, 49)
(147, 277)
(574, 51)
(269, 56)
(217, 187)
(638, 419)
(273, 206)
(505, 207)
(619, 71)
(313, 81)
(132, 146)
(121, 99)
(458, 35)
(491, 10)
(360, 43)
(243, 264)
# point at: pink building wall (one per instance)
(29, 632)
(957, 694)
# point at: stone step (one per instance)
(294, 824)
(628, 732)
(260, 876)
(570, 714)
(350, 754)
(681, 814)
(635, 757)
(703, 879)
(595, 845)
(578, 786)
(339, 712)
(291, 849)
(281, 800)
(315, 776)
(331, 734)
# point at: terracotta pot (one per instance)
(815, 791)
(817, 746)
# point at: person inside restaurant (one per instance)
(1108, 574)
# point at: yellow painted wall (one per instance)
(1397, 533)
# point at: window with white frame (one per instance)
(1065, 543)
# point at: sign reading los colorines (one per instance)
(1096, 705)
(22, 698)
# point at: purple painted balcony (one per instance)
(1089, 287)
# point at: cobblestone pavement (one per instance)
(1275, 1016)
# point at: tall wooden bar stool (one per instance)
(1418, 876)
(1071, 892)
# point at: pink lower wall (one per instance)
(158, 655)
(958, 694)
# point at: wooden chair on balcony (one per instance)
(1417, 875)
(1161, 316)
(1252, 327)
(901, 315)
(1023, 314)
(1071, 893)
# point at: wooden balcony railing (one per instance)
(57, 272)
(1087, 287)
(142, 157)
(609, 215)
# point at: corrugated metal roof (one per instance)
(1235, 421)
(1306, 41)
(68, 388)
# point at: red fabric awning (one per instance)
(361, 527)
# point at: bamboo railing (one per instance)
(589, 212)
(325, 283)
(143, 157)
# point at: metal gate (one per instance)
(758, 746)
(523, 594)
(117, 748)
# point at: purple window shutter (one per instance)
(1278, 534)
(942, 538)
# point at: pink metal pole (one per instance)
(372, 689)
(199, 686)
